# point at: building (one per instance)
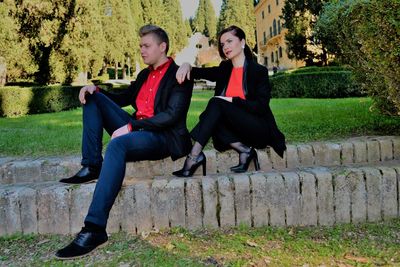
(272, 49)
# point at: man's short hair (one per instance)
(158, 32)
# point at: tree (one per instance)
(43, 24)
(300, 18)
(205, 20)
(239, 13)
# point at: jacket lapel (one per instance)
(163, 83)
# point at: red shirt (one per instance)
(235, 85)
(147, 94)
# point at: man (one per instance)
(156, 130)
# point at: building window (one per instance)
(274, 25)
(280, 52)
(277, 2)
(266, 61)
(276, 55)
(262, 14)
(265, 38)
(272, 57)
(269, 9)
(279, 26)
(270, 32)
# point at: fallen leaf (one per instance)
(144, 234)
(169, 246)
(356, 259)
(251, 243)
(43, 241)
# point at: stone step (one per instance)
(306, 196)
(340, 153)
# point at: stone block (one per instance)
(226, 201)
(210, 202)
(276, 199)
(28, 210)
(326, 215)
(358, 192)
(396, 148)
(242, 199)
(346, 153)
(27, 171)
(278, 163)
(293, 198)
(263, 158)
(194, 204)
(292, 157)
(259, 205)
(308, 199)
(128, 216)
(326, 154)
(10, 220)
(176, 196)
(211, 161)
(53, 209)
(386, 149)
(159, 204)
(374, 153)
(143, 208)
(226, 160)
(373, 181)
(138, 169)
(389, 193)
(115, 217)
(341, 198)
(360, 151)
(306, 155)
(6, 174)
(81, 197)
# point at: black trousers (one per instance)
(226, 123)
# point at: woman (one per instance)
(238, 116)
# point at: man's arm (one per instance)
(178, 105)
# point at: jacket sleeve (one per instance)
(122, 99)
(210, 74)
(259, 102)
(178, 105)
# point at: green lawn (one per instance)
(301, 120)
(343, 245)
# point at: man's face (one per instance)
(150, 49)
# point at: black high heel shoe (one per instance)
(199, 160)
(242, 167)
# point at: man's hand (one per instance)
(183, 72)
(88, 89)
(229, 99)
(120, 131)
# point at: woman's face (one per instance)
(231, 45)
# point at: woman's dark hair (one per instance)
(238, 32)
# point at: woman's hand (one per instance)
(120, 131)
(183, 72)
(229, 99)
(88, 89)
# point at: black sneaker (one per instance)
(84, 243)
(84, 175)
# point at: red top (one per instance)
(147, 94)
(235, 85)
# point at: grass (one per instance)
(366, 244)
(301, 120)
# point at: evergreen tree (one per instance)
(43, 24)
(239, 13)
(176, 28)
(205, 20)
(300, 19)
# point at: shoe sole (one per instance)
(84, 255)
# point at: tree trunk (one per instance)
(116, 70)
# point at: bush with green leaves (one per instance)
(18, 101)
(315, 82)
(366, 35)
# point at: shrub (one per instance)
(18, 101)
(318, 84)
(365, 34)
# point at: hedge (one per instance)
(321, 84)
(18, 101)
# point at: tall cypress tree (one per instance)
(239, 13)
(205, 20)
(176, 28)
